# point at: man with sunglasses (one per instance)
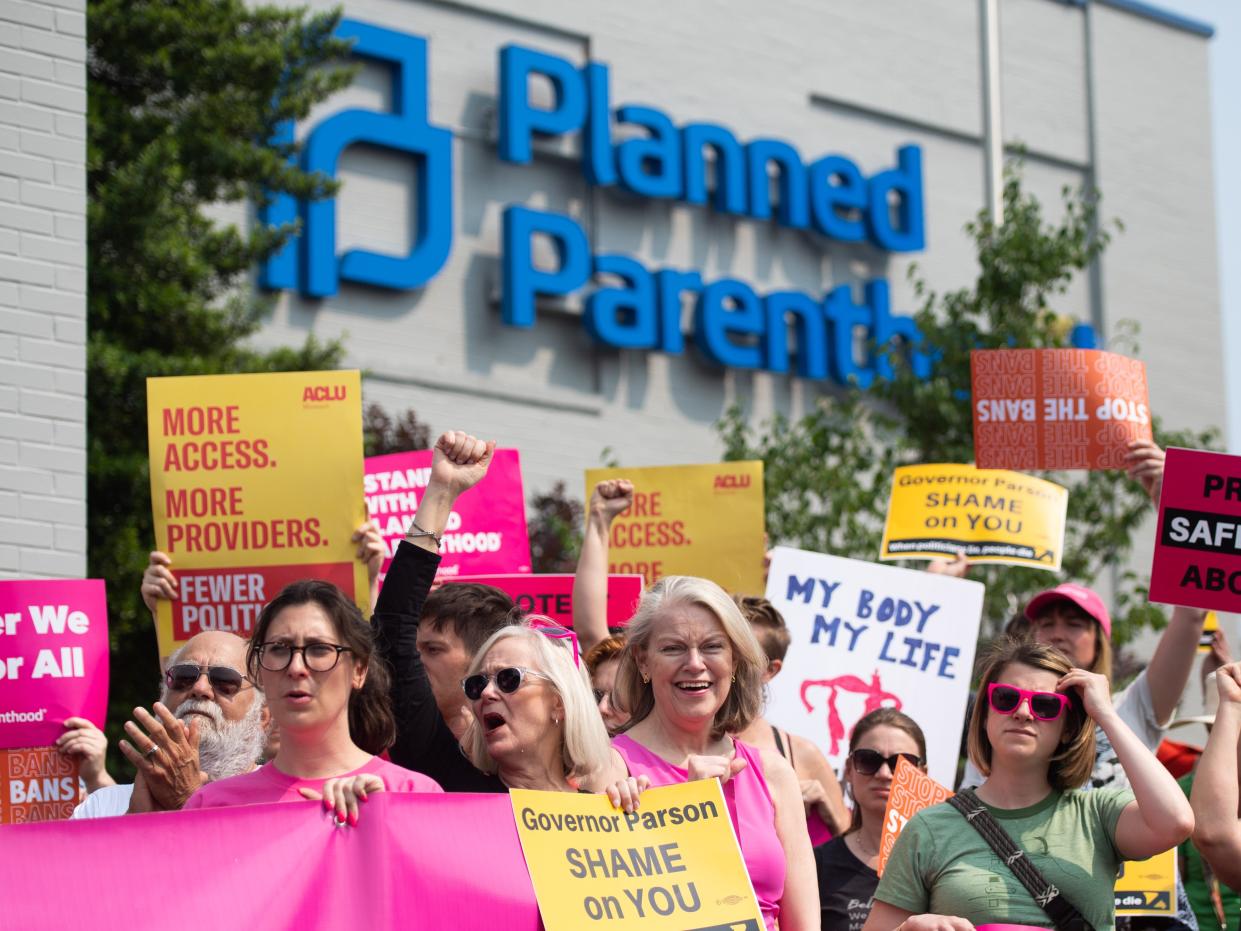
(210, 723)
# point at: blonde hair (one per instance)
(745, 696)
(1073, 763)
(584, 743)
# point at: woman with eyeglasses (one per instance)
(535, 722)
(691, 676)
(311, 655)
(1032, 734)
(846, 865)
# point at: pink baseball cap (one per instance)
(1085, 598)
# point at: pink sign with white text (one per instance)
(53, 658)
(551, 594)
(486, 532)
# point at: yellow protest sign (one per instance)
(1210, 627)
(674, 864)
(992, 515)
(255, 483)
(1148, 887)
(704, 520)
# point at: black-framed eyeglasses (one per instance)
(508, 680)
(225, 680)
(868, 762)
(318, 657)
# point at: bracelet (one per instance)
(417, 532)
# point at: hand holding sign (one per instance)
(86, 745)
(158, 581)
(1144, 462)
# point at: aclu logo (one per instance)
(309, 262)
(321, 394)
(726, 482)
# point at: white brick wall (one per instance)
(42, 288)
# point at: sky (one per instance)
(1225, 16)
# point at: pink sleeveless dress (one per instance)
(749, 805)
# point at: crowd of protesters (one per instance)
(451, 689)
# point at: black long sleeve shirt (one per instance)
(424, 741)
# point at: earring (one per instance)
(645, 679)
(734, 677)
(556, 721)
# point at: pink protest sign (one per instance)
(552, 594)
(1197, 558)
(53, 658)
(487, 530)
(413, 861)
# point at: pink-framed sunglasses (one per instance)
(1044, 706)
(550, 628)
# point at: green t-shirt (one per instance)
(941, 865)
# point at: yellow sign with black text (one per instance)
(993, 516)
(1148, 887)
(673, 865)
(256, 482)
(704, 520)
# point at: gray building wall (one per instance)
(43, 288)
(856, 78)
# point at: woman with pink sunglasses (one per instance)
(1032, 734)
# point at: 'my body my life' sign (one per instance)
(867, 636)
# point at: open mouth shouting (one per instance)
(492, 720)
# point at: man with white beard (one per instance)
(211, 723)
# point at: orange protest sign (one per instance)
(912, 791)
(37, 784)
(1056, 408)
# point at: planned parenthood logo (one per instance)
(309, 262)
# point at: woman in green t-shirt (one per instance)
(1032, 736)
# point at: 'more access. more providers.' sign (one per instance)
(641, 150)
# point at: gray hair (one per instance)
(744, 701)
(584, 744)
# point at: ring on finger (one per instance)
(151, 751)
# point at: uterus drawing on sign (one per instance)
(873, 694)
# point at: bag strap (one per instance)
(1061, 911)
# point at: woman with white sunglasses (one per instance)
(1032, 734)
(535, 720)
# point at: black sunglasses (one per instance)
(868, 762)
(508, 680)
(225, 681)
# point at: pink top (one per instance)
(268, 784)
(750, 806)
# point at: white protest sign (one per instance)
(867, 636)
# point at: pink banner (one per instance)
(487, 530)
(552, 594)
(1197, 560)
(413, 861)
(53, 658)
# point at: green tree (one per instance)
(183, 98)
(828, 475)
